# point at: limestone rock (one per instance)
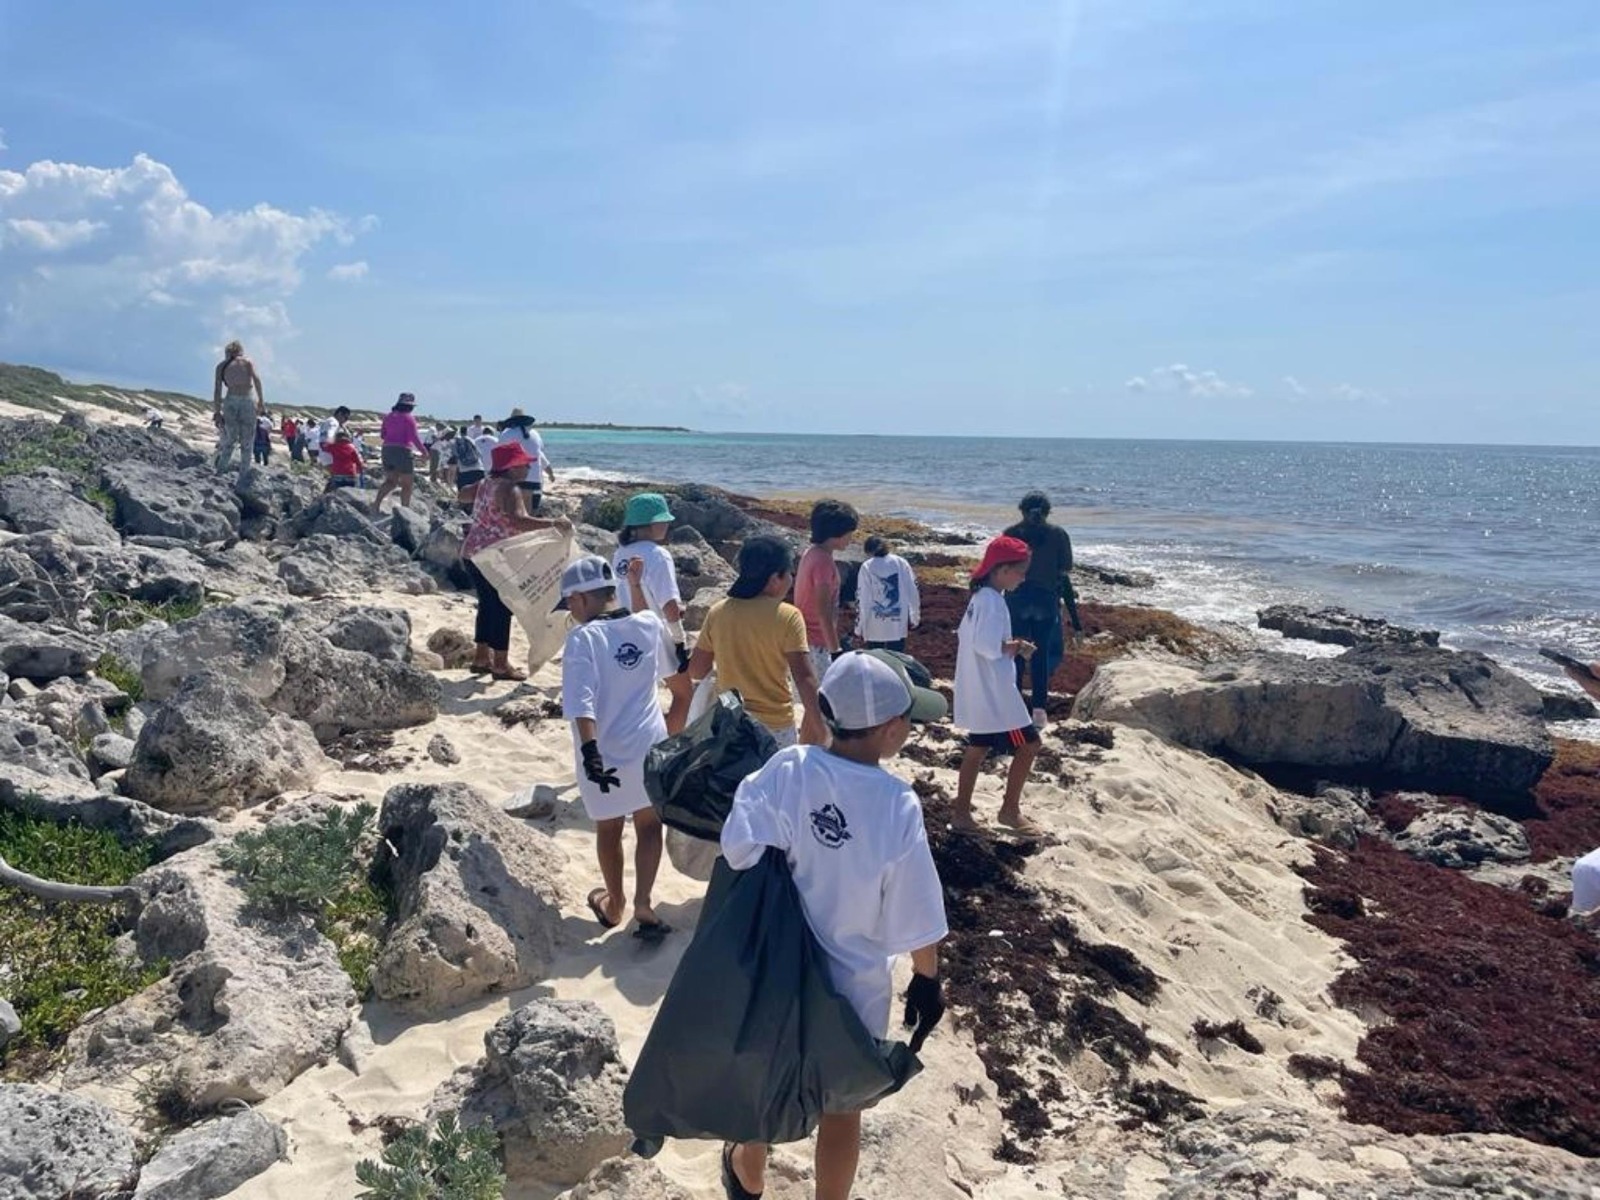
(267, 649)
(110, 752)
(384, 633)
(453, 646)
(43, 501)
(37, 654)
(251, 1001)
(1453, 835)
(409, 528)
(274, 494)
(340, 515)
(698, 565)
(212, 1159)
(321, 565)
(441, 751)
(479, 909)
(1568, 706)
(194, 507)
(1434, 720)
(551, 1083)
(213, 744)
(1340, 627)
(705, 599)
(440, 554)
(55, 1146)
(1336, 816)
(35, 748)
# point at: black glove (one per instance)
(924, 1008)
(595, 769)
(683, 656)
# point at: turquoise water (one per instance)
(1496, 546)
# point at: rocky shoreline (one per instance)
(1292, 913)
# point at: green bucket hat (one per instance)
(646, 509)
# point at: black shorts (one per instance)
(465, 479)
(1005, 743)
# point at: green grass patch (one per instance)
(317, 867)
(60, 959)
(120, 676)
(58, 446)
(112, 612)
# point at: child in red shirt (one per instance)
(345, 470)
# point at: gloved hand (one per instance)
(683, 656)
(924, 1008)
(595, 769)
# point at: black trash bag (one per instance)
(752, 1042)
(691, 777)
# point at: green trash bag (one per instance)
(752, 1042)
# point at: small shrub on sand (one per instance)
(61, 959)
(316, 867)
(450, 1163)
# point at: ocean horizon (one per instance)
(1492, 545)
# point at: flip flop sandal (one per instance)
(652, 932)
(599, 913)
(513, 675)
(731, 1186)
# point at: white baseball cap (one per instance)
(590, 574)
(865, 688)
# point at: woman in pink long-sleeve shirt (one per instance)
(400, 437)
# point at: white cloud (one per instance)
(1185, 380)
(1296, 388)
(1351, 394)
(119, 268)
(49, 236)
(348, 272)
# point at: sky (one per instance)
(1325, 219)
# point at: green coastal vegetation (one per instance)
(62, 959)
(48, 393)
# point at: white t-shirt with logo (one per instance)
(485, 442)
(887, 601)
(608, 674)
(660, 575)
(859, 853)
(987, 699)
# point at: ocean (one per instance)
(1497, 547)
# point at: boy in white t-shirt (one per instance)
(988, 705)
(610, 667)
(858, 851)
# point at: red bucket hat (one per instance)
(507, 455)
(999, 552)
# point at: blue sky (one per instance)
(1203, 218)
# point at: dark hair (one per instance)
(760, 558)
(1034, 502)
(876, 546)
(341, 412)
(627, 533)
(831, 519)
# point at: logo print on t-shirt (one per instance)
(829, 827)
(629, 656)
(885, 595)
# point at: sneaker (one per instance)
(1040, 718)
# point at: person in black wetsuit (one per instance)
(1037, 604)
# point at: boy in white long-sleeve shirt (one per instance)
(888, 605)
